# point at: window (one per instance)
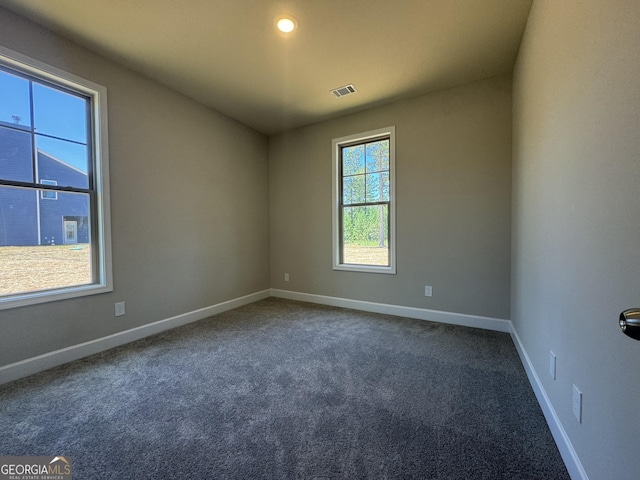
(53, 146)
(48, 194)
(364, 202)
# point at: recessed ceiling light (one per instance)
(286, 23)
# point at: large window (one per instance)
(54, 202)
(364, 202)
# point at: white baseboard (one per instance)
(487, 323)
(568, 453)
(40, 363)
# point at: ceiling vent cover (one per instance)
(342, 91)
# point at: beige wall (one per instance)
(576, 219)
(453, 162)
(189, 211)
(199, 215)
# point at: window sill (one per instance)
(44, 296)
(365, 268)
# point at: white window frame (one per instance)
(101, 216)
(337, 143)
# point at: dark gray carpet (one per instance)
(289, 390)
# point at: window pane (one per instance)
(14, 100)
(353, 190)
(377, 156)
(59, 114)
(69, 207)
(378, 187)
(353, 160)
(15, 155)
(18, 225)
(63, 259)
(62, 161)
(365, 235)
(384, 188)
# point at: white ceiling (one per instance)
(226, 53)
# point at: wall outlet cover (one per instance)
(577, 403)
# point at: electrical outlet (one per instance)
(119, 309)
(286, 277)
(428, 291)
(577, 403)
(552, 364)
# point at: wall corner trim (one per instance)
(476, 321)
(30, 366)
(568, 453)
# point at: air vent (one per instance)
(342, 91)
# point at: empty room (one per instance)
(319, 239)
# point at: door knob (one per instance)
(630, 323)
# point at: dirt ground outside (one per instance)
(26, 269)
(362, 255)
